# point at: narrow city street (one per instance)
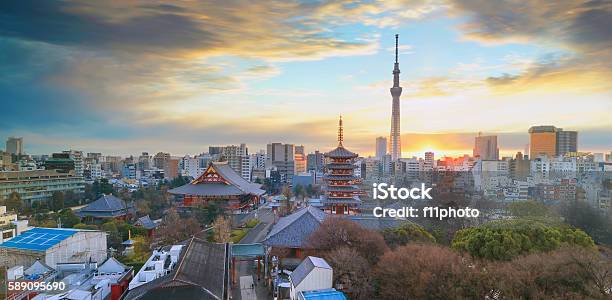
(246, 269)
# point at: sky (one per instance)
(122, 77)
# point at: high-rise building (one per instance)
(542, 140)
(429, 161)
(567, 141)
(299, 159)
(281, 156)
(79, 163)
(485, 147)
(160, 159)
(144, 161)
(381, 147)
(315, 161)
(14, 145)
(396, 91)
(238, 159)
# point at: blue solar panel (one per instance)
(39, 239)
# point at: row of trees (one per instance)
(544, 262)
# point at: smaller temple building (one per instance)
(108, 207)
(220, 184)
(341, 190)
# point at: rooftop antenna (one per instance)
(396, 43)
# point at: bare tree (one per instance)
(222, 229)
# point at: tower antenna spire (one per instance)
(396, 46)
(340, 132)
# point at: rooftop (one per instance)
(293, 230)
(39, 239)
(106, 206)
(329, 294)
(219, 180)
(306, 266)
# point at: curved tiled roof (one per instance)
(293, 230)
(237, 186)
(341, 152)
(106, 206)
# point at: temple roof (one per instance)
(146, 222)
(341, 152)
(202, 272)
(219, 180)
(341, 166)
(106, 206)
(293, 230)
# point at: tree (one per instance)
(352, 273)
(14, 202)
(528, 208)
(174, 229)
(222, 230)
(426, 272)
(69, 219)
(589, 219)
(504, 240)
(407, 232)
(57, 201)
(337, 232)
(567, 273)
(298, 190)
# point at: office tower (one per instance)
(215, 150)
(315, 161)
(160, 159)
(567, 141)
(396, 91)
(280, 156)
(14, 145)
(79, 164)
(381, 147)
(519, 167)
(485, 147)
(300, 160)
(542, 140)
(144, 161)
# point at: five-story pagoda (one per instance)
(341, 191)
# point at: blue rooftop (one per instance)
(39, 239)
(329, 294)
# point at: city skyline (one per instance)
(92, 82)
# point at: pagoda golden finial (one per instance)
(340, 132)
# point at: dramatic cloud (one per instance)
(582, 29)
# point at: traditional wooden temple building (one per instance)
(221, 184)
(108, 207)
(341, 190)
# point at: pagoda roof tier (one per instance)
(340, 152)
(341, 166)
(219, 179)
(340, 177)
(329, 200)
(341, 188)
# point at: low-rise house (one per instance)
(314, 273)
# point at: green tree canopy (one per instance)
(406, 233)
(528, 208)
(504, 240)
(14, 202)
(57, 201)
